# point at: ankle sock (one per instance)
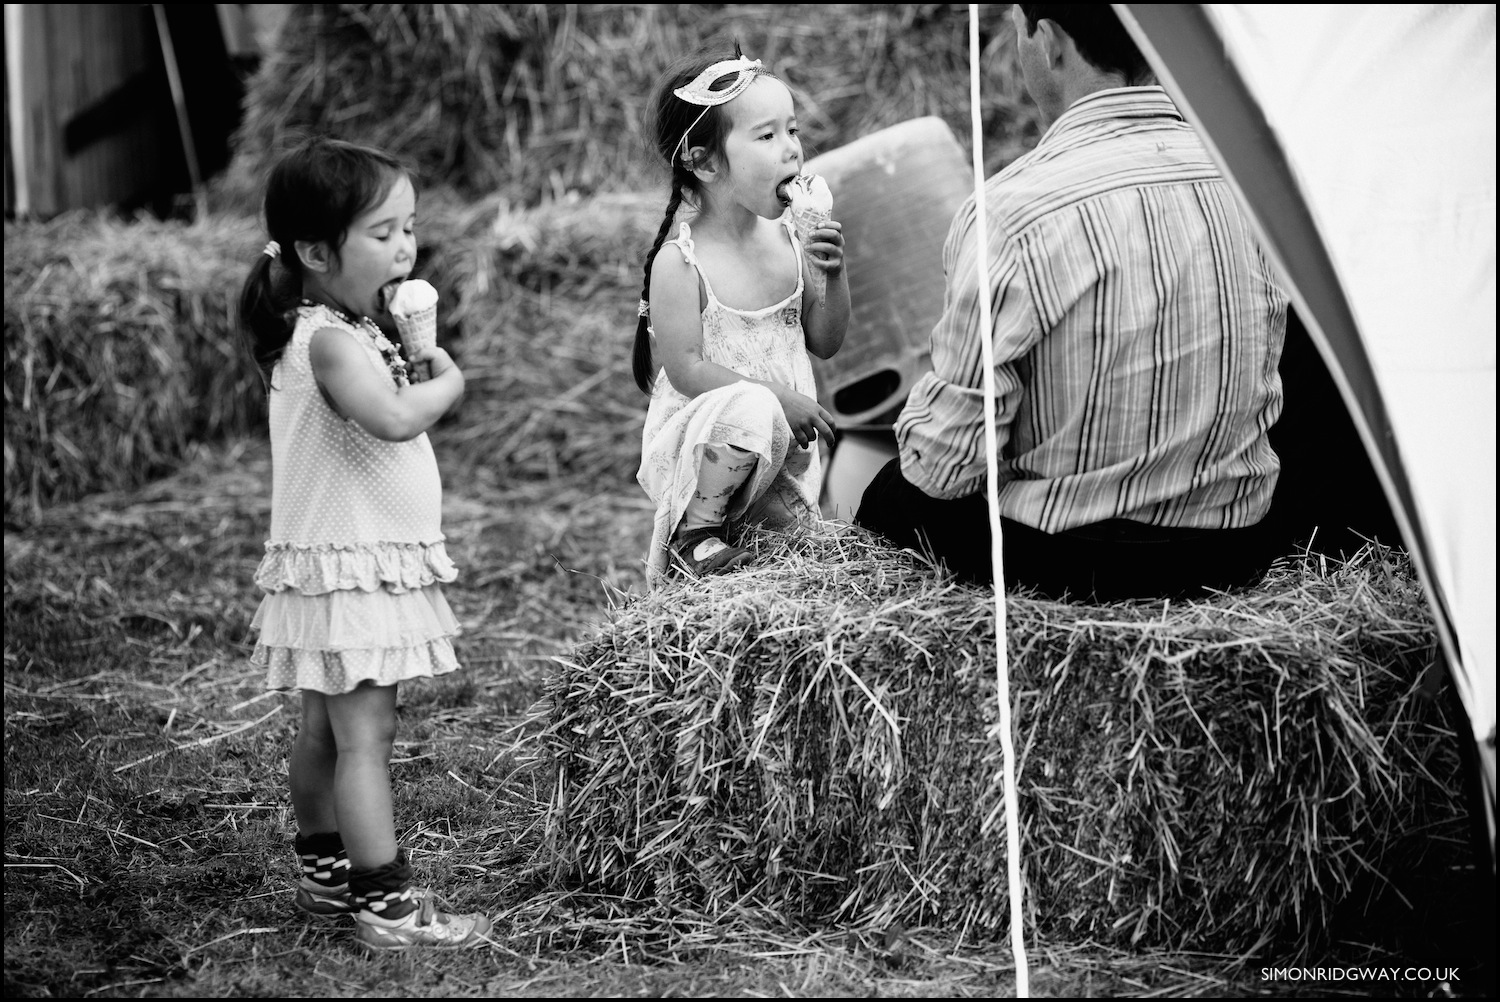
(384, 891)
(323, 859)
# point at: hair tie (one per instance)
(273, 250)
(643, 309)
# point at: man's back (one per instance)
(1137, 331)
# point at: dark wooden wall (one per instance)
(97, 114)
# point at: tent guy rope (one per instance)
(992, 480)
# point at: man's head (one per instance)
(1070, 50)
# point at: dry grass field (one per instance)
(147, 819)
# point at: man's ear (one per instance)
(314, 256)
(1053, 41)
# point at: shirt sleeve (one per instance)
(940, 431)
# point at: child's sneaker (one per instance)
(319, 899)
(704, 551)
(424, 926)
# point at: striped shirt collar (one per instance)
(1112, 105)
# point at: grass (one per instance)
(147, 817)
(146, 806)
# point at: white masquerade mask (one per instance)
(700, 91)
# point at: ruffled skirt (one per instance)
(332, 642)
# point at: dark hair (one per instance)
(314, 194)
(671, 121)
(1099, 35)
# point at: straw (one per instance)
(814, 737)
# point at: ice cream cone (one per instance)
(418, 330)
(414, 308)
(807, 222)
(812, 206)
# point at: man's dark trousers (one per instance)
(1105, 561)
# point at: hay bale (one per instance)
(541, 99)
(121, 350)
(812, 737)
(543, 313)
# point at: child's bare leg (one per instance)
(722, 471)
(699, 540)
(364, 729)
(390, 913)
(310, 768)
(324, 885)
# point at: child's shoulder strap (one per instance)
(684, 242)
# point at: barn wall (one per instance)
(89, 135)
(90, 116)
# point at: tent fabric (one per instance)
(1362, 139)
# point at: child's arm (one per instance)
(362, 394)
(678, 348)
(824, 323)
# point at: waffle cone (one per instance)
(418, 330)
(807, 221)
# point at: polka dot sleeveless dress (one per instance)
(353, 568)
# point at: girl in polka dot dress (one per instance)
(353, 602)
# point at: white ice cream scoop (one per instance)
(809, 193)
(414, 307)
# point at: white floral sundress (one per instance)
(767, 344)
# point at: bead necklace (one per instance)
(388, 351)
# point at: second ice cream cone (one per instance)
(812, 206)
(807, 223)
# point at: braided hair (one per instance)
(673, 133)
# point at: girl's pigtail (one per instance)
(645, 375)
(263, 317)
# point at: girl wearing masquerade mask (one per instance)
(726, 322)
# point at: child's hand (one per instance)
(807, 418)
(825, 246)
(437, 360)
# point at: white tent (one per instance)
(1362, 140)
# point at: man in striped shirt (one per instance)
(1137, 329)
